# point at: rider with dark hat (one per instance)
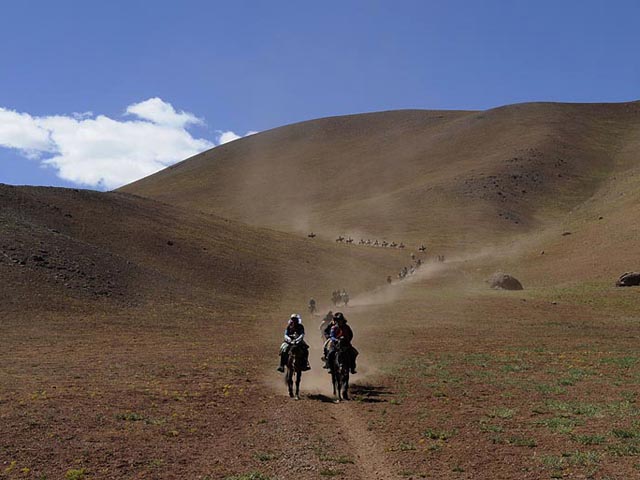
(293, 335)
(340, 331)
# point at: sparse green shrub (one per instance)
(265, 457)
(502, 412)
(624, 433)
(75, 474)
(590, 439)
(522, 442)
(624, 449)
(249, 476)
(489, 427)
(560, 424)
(403, 447)
(130, 417)
(620, 362)
(343, 459)
(443, 435)
(551, 389)
(330, 472)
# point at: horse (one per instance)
(340, 365)
(295, 363)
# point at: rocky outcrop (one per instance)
(504, 281)
(629, 279)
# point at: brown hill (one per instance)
(62, 248)
(141, 337)
(448, 178)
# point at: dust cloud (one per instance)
(317, 381)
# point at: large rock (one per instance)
(504, 282)
(629, 279)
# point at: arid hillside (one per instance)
(61, 248)
(453, 179)
(141, 327)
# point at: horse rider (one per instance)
(312, 305)
(326, 321)
(326, 337)
(294, 335)
(340, 331)
(345, 297)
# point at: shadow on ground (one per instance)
(319, 397)
(369, 393)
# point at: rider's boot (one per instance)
(282, 362)
(306, 363)
(353, 367)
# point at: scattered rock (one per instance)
(629, 279)
(170, 243)
(542, 252)
(564, 234)
(504, 281)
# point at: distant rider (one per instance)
(312, 306)
(294, 335)
(340, 331)
(345, 297)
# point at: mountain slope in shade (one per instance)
(63, 248)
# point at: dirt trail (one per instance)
(369, 456)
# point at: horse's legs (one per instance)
(290, 381)
(298, 378)
(345, 386)
(335, 383)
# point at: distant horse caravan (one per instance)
(338, 298)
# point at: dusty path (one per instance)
(351, 447)
(368, 453)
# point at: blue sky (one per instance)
(246, 66)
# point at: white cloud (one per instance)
(230, 136)
(162, 113)
(21, 131)
(99, 151)
(226, 137)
